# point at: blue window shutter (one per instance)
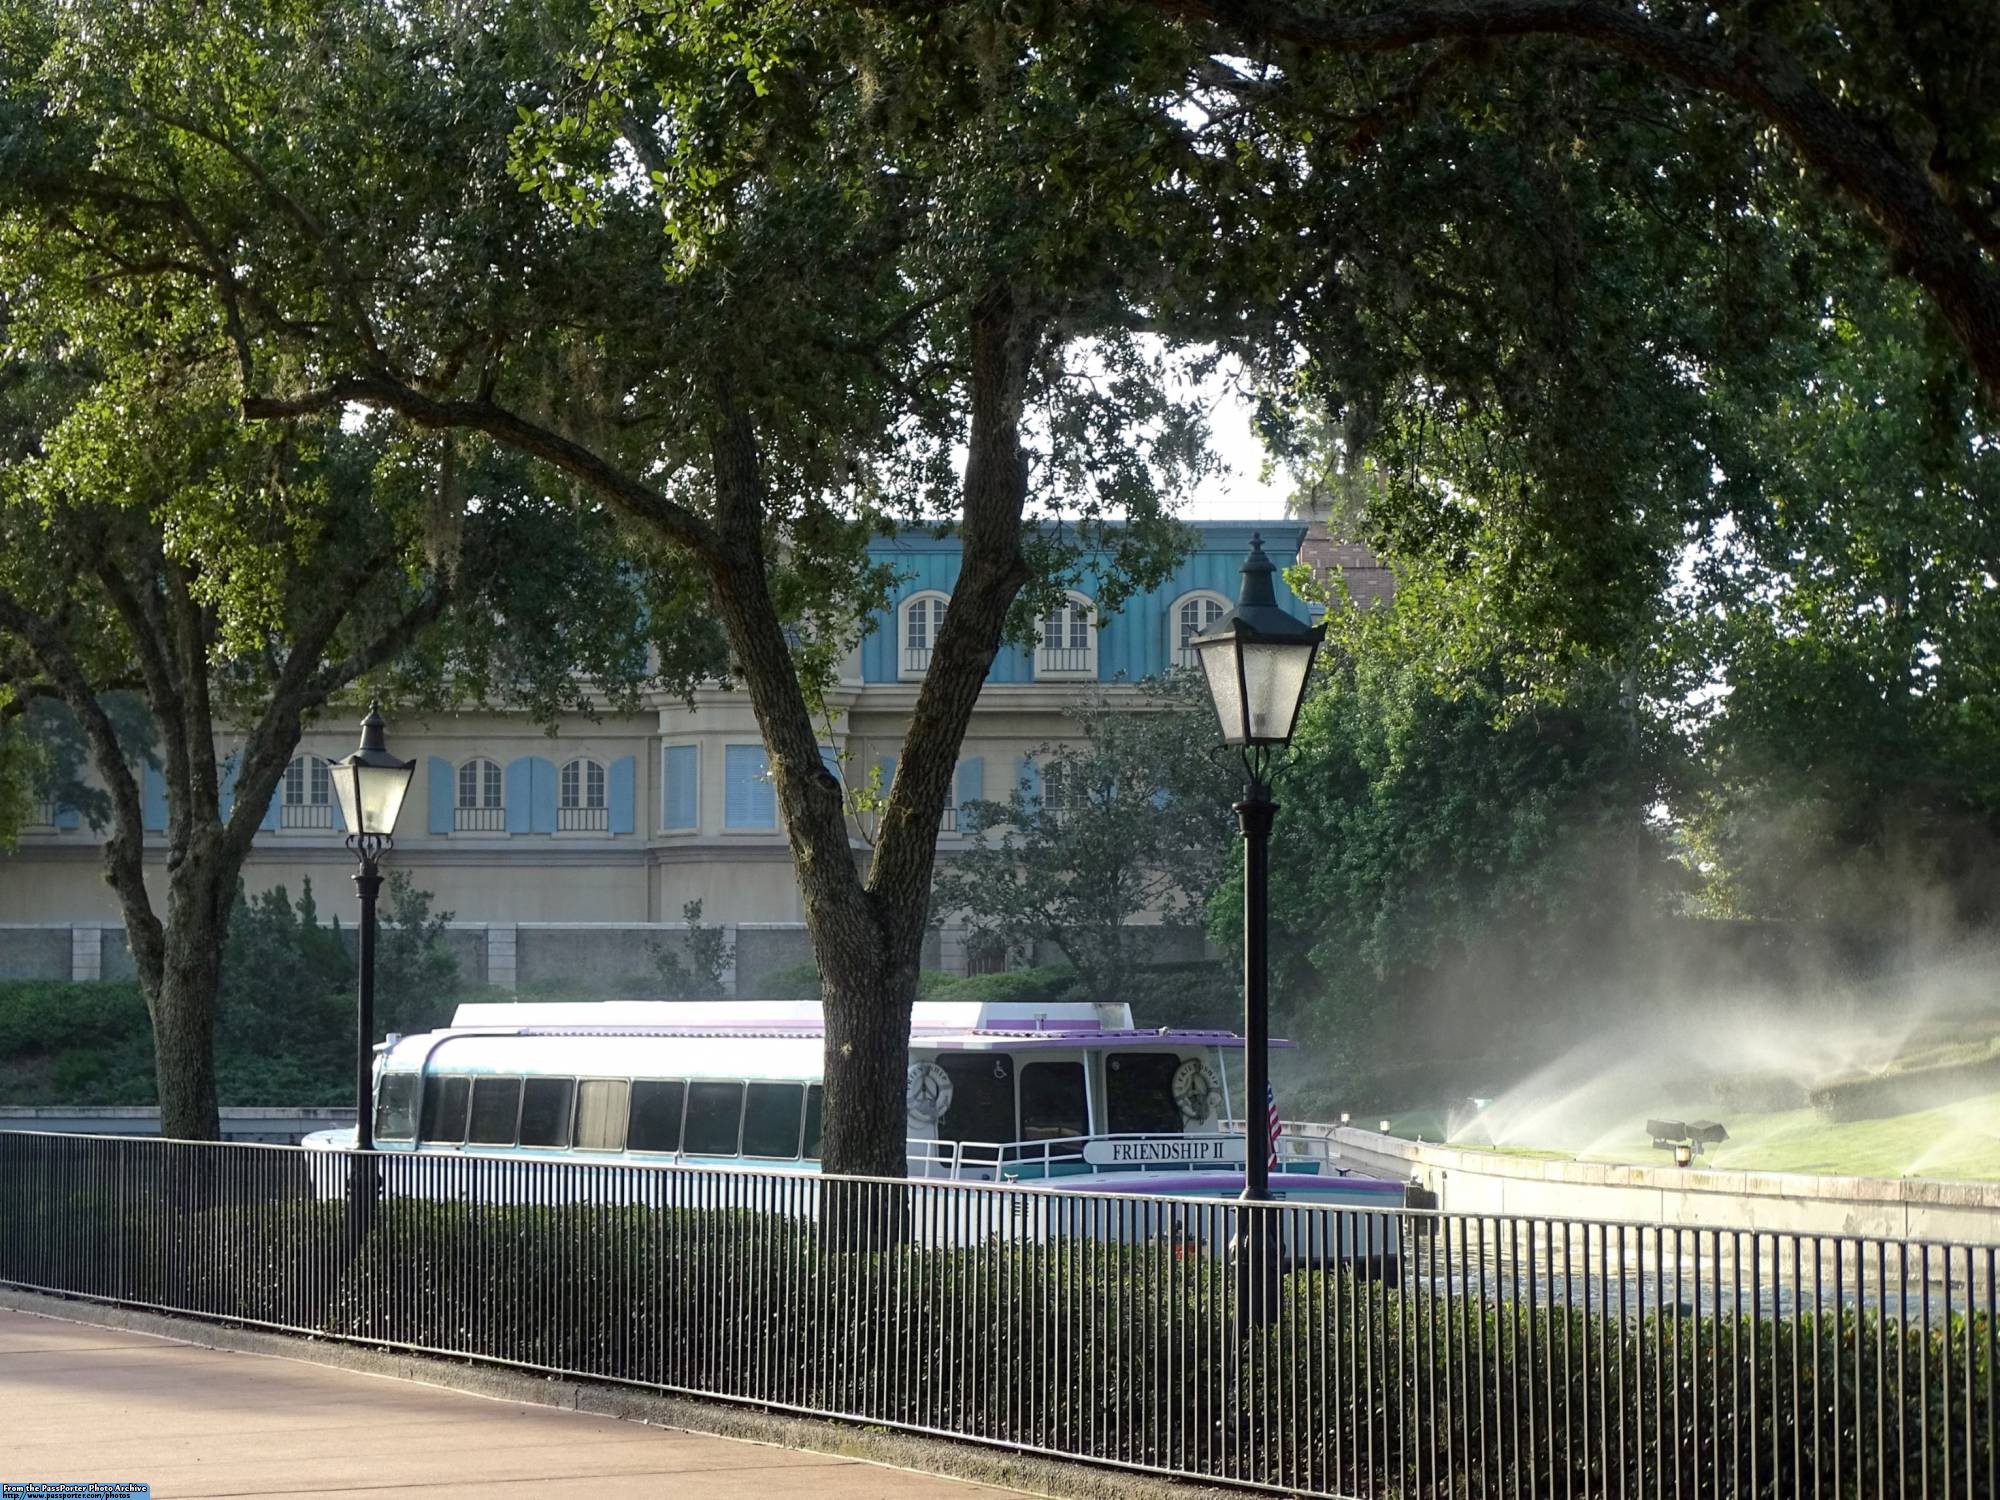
(618, 792)
(887, 766)
(748, 798)
(541, 795)
(442, 794)
(68, 817)
(226, 786)
(971, 784)
(830, 758)
(680, 787)
(519, 774)
(153, 799)
(1031, 783)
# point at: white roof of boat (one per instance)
(937, 1024)
(1035, 1016)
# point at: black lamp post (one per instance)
(1257, 660)
(370, 784)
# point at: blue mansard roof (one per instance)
(1131, 644)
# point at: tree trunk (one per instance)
(867, 1054)
(183, 1000)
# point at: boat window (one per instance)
(545, 1111)
(600, 1114)
(1139, 1093)
(715, 1119)
(656, 1115)
(771, 1120)
(444, 1108)
(814, 1096)
(496, 1110)
(1053, 1102)
(396, 1107)
(982, 1097)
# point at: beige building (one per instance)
(618, 823)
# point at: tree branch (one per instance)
(627, 495)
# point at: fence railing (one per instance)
(1374, 1352)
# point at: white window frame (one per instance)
(912, 661)
(1179, 654)
(480, 816)
(578, 813)
(306, 803)
(1068, 662)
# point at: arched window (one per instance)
(1194, 614)
(580, 802)
(918, 623)
(482, 803)
(306, 798)
(1068, 645)
(1064, 792)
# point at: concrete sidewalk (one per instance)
(81, 1402)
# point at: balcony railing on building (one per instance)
(583, 819)
(916, 660)
(42, 816)
(479, 820)
(305, 815)
(1062, 661)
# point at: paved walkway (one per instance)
(79, 1402)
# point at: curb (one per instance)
(1029, 1474)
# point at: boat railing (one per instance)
(1000, 1160)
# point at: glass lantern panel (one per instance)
(343, 792)
(1274, 679)
(1218, 663)
(382, 792)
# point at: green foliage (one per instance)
(693, 968)
(415, 972)
(286, 980)
(1130, 820)
(285, 1032)
(798, 981)
(1444, 855)
(1013, 985)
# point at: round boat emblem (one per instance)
(927, 1092)
(1194, 1089)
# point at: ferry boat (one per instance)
(1068, 1098)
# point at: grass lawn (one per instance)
(1959, 1141)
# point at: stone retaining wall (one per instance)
(1488, 1182)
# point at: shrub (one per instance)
(1051, 984)
(793, 982)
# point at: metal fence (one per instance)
(1390, 1353)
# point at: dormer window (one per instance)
(920, 620)
(1068, 640)
(1194, 614)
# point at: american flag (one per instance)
(1271, 1119)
